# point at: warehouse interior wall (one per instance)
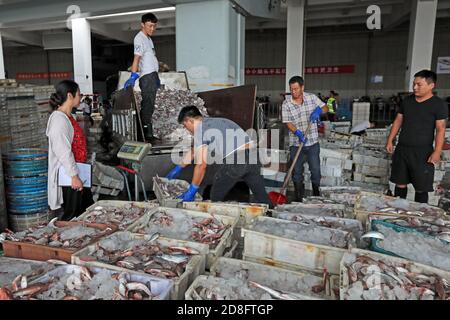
(27, 59)
(372, 54)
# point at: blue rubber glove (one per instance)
(301, 136)
(315, 115)
(174, 173)
(130, 82)
(189, 195)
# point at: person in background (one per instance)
(422, 118)
(146, 63)
(86, 106)
(66, 146)
(296, 112)
(332, 105)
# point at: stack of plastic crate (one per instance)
(42, 98)
(21, 124)
(372, 165)
(335, 167)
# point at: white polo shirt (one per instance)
(143, 46)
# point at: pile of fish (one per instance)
(345, 195)
(304, 232)
(350, 225)
(319, 200)
(331, 210)
(213, 288)
(439, 227)
(178, 225)
(167, 107)
(122, 217)
(171, 189)
(71, 236)
(385, 204)
(10, 268)
(145, 255)
(376, 279)
(78, 283)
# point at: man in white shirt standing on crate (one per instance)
(297, 111)
(146, 62)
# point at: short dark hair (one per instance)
(188, 112)
(430, 76)
(296, 79)
(149, 17)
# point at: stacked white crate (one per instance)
(335, 166)
(19, 117)
(341, 126)
(377, 137)
(42, 98)
(371, 165)
(360, 112)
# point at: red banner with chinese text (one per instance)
(308, 70)
(43, 75)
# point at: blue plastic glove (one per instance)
(189, 195)
(130, 82)
(315, 115)
(301, 136)
(174, 173)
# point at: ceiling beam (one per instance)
(343, 13)
(17, 14)
(28, 38)
(111, 32)
(400, 14)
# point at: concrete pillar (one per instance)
(2, 60)
(240, 51)
(421, 35)
(295, 63)
(82, 57)
(210, 44)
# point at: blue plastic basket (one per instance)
(26, 181)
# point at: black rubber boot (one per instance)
(400, 192)
(421, 197)
(299, 191)
(148, 132)
(316, 191)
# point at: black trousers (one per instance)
(149, 85)
(229, 174)
(75, 202)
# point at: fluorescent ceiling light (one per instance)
(165, 9)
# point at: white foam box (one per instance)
(329, 153)
(348, 165)
(368, 179)
(445, 155)
(273, 175)
(372, 171)
(334, 162)
(439, 175)
(327, 171)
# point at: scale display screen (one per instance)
(133, 150)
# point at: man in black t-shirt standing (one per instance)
(422, 120)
